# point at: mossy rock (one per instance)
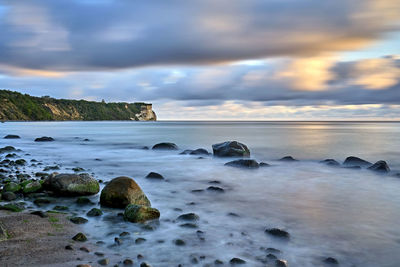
(94, 212)
(12, 187)
(80, 237)
(32, 187)
(20, 162)
(122, 191)
(140, 214)
(72, 184)
(78, 220)
(13, 207)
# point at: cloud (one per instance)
(72, 35)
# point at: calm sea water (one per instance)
(351, 215)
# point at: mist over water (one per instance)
(351, 215)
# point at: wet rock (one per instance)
(199, 151)
(188, 217)
(39, 213)
(72, 184)
(231, 149)
(165, 146)
(83, 201)
(276, 232)
(122, 191)
(80, 237)
(215, 189)
(85, 249)
(139, 214)
(281, 263)
(11, 187)
(243, 163)
(12, 136)
(127, 262)
(235, 261)
(94, 212)
(8, 196)
(124, 234)
(355, 161)
(103, 261)
(7, 149)
(232, 214)
(78, 169)
(20, 162)
(273, 250)
(61, 208)
(218, 262)
(51, 168)
(41, 201)
(179, 242)
(331, 261)
(263, 164)
(139, 240)
(197, 191)
(100, 254)
(154, 175)
(288, 159)
(330, 162)
(189, 225)
(83, 265)
(186, 152)
(32, 187)
(271, 256)
(69, 247)
(78, 220)
(44, 139)
(380, 166)
(18, 207)
(144, 264)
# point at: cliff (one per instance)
(15, 106)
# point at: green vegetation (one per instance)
(17, 106)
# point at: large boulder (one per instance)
(140, 213)
(165, 146)
(231, 149)
(11, 187)
(355, 161)
(243, 163)
(72, 184)
(380, 166)
(122, 191)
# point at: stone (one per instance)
(243, 163)
(154, 175)
(39, 213)
(331, 261)
(234, 261)
(11, 187)
(288, 159)
(7, 149)
(127, 262)
(78, 220)
(12, 207)
(165, 146)
(330, 162)
(103, 261)
(231, 149)
(215, 189)
(12, 136)
(8, 196)
(80, 237)
(380, 166)
(94, 212)
(263, 164)
(122, 191)
(83, 201)
(276, 232)
(355, 161)
(69, 247)
(188, 217)
(85, 249)
(179, 242)
(20, 162)
(199, 151)
(44, 139)
(72, 184)
(281, 263)
(42, 201)
(139, 214)
(32, 187)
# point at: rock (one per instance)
(288, 159)
(44, 139)
(100, 254)
(380, 166)
(11, 187)
(11, 136)
(188, 225)
(41, 201)
(104, 261)
(165, 146)
(32, 187)
(139, 214)
(39, 213)
(7, 149)
(127, 262)
(188, 217)
(20, 162)
(263, 164)
(215, 189)
(281, 263)
(179, 242)
(186, 152)
(85, 249)
(122, 191)
(230, 149)
(234, 261)
(243, 163)
(276, 232)
(60, 208)
(12, 207)
(354, 161)
(94, 212)
(331, 260)
(72, 184)
(154, 175)
(69, 247)
(80, 237)
(78, 220)
(199, 151)
(8, 196)
(83, 201)
(83, 265)
(145, 264)
(139, 240)
(330, 162)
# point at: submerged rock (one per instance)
(79, 237)
(215, 189)
(154, 175)
(263, 164)
(12, 136)
(78, 220)
(355, 161)
(277, 232)
(380, 166)
(188, 217)
(8, 196)
(330, 162)
(94, 212)
(288, 159)
(199, 151)
(331, 260)
(122, 191)
(44, 139)
(72, 184)
(243, 163)
(231, 149)
(165, 146)
(139, 214)
(7, 149)
(281, 263)
(235, 261)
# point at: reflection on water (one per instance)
(351, 215)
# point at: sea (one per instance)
(351, 215)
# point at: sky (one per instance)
(208, 59)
